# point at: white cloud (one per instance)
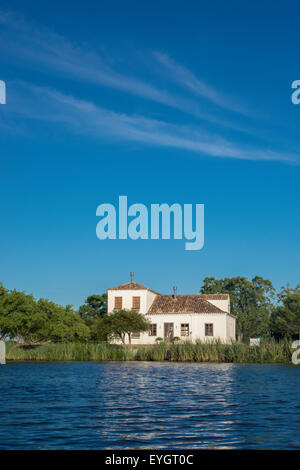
(85, 117)
(188, 79)
(51, 51)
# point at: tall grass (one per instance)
(269, 351)
(69, 352)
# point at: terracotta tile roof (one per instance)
(215, 296)
(185, 304)
(132, 286)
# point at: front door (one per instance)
(169, 331)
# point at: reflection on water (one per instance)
(89, 405)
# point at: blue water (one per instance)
(90, 405)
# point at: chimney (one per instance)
(131, 276)
(175, 292)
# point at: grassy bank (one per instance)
(268, 352)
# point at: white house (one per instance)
(201, 316)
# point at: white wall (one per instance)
(223, 304)
(146, 297)
(150, 297)
(224, 324)
(231, 325)
(196, 323)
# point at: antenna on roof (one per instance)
(175, 292)
(131, 276)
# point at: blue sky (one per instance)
(185, 102)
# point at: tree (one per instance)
(100, 329)
(251, 302)
(20, 318)
(30, 321)
(125, 322)
(286, 316)
(3, 320)
(95, 307)
(62, 323)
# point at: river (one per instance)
(148, 405)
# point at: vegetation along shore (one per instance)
(269, 351)
(39, 329)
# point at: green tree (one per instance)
(100, 329)
(62, 323)
(251, 302)
(30, 321)
(92, 313)
(124, 322)
(95, 307)
(20, 318)
(286, 316)
(4, 333)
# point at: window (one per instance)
(168, 331)
(184, 329)
(136, 302)
(118, 302)
(209, 329)
(135, 334)
(153, 330)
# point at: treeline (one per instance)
(259, 310)
(30, 321)
(25, 319)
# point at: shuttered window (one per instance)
(136, 303)
(118, 302)
(209, 329)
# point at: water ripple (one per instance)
(89, 405)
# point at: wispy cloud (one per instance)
(188, 79)
(33, 44)
(52, 51)
(85, 117)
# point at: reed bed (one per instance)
(69, 352)
(269, 351)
